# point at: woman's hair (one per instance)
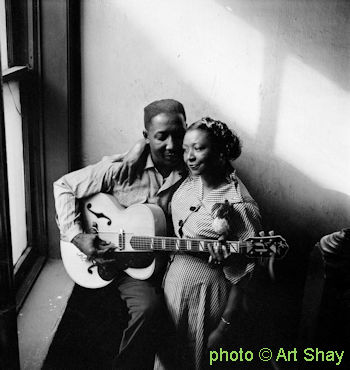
(225, 140)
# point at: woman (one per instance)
(211, 203)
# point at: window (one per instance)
(15, 168)
(40, 85)
(23, 139)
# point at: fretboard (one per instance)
(158, 243)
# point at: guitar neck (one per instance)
(262, 246)
(157, 243)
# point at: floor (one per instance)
(41, 313)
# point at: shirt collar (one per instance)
(149, 162)
(181, 170)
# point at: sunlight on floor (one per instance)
(41, 314)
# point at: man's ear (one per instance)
(145, 135)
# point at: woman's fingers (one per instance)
(212, 253)
(218, 251)
(225, 251)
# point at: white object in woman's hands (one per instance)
(221, 226)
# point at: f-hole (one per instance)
(99, 215)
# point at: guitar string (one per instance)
(142, 243)
(196, 245)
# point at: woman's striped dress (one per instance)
(195, 293)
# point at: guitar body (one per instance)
(113, 222)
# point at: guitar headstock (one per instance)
(266, 246)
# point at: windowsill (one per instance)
(26, 271)
(41, 313)
(14, 73)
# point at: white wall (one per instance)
(276, 71)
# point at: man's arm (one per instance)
(133, 161)
(69, 189)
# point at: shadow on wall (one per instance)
(291, 202)
(293, 27)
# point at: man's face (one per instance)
(165, 134)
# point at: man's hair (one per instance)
(168, 106)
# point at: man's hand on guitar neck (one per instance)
(90, 244)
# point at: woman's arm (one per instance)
(236, 267)
(233, 305)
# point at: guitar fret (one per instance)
(157, 243)
(195, 245)
(182, 244)
(233, 247)
(169, 244)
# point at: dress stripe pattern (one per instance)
(195, 293)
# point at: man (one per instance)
(164, 131)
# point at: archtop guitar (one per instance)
(135, 233)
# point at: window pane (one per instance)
(3, 41)
(15, 167)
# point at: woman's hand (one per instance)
(217, 337)
(233, 306)
(271, 260)
(218, 252)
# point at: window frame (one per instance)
(23, 48)
(8, 322)
(45, 59)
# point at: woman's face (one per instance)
(199, 155)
